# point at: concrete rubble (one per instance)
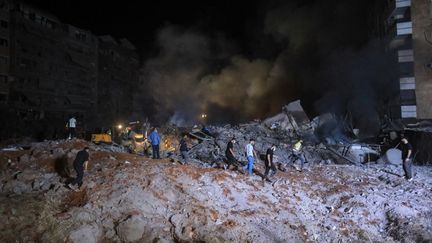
(131, 198)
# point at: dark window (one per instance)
(3, 60)
(4, 24)
(80, 36)
(4, 42)
(3, 79)
(408, 97)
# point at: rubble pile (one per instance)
(129, 198)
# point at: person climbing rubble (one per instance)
(297, 154)
(155, 141)
(80, 165)
(269, 165)
(71, 126)
(407, 152)
(251, 155)
(229, 154)
(184, 149)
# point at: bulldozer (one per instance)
(130, 136)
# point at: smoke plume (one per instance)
(325, 57)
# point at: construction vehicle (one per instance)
(131, 136)
(98, 138)
(134, 138)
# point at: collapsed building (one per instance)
(128, 197)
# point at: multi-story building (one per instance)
(118, 72)
(4, 51)
(54, 65)
(411, 28)
(51, 70)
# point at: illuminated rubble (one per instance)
(128, 197)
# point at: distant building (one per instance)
(54, 65)
(118, 72)
(51, 70)
(5, 42)
(410, 25)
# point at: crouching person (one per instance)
(80, 165)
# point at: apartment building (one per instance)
(411, 28)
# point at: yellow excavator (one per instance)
(129, 136)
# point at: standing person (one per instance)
(80, 165)
(71, 127)
(407, 149)
(155, 141)
(184, 149)
(269, 165)
(298, 154)
(251, 155)
(229, 153)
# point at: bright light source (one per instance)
(203, 115)
(120, 126)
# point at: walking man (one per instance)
(184, 150)
(80, 165)
(407, 149)
(229, 153)
(298, 154)
(269, 165)
(155, 141)
(71, 127)
(251, 155)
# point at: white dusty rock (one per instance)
(132, 229)
(86, 234)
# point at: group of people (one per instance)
(82, 158)
(252, 156)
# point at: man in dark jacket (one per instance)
(80, 165)
(229, 153)
(269, 165)
(184, 149)
(407, 153)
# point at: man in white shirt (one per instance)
(251, 155)
(71, 126)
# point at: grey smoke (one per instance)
(324, 52)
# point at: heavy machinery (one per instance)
(133, 136)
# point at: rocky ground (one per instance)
(130, 198)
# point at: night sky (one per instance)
(242, 60)
(139, 20)
(240, 21)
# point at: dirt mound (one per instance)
(130, 198)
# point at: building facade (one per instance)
(5, 42)
(118, 72)
(52, 70)
(54, 66)
(411, 29)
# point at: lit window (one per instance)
(406, 55)
(407, 83)
(404, 28)
(409, 111)
(403, 3)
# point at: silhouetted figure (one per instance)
(80, 165)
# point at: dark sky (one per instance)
(139, 20)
